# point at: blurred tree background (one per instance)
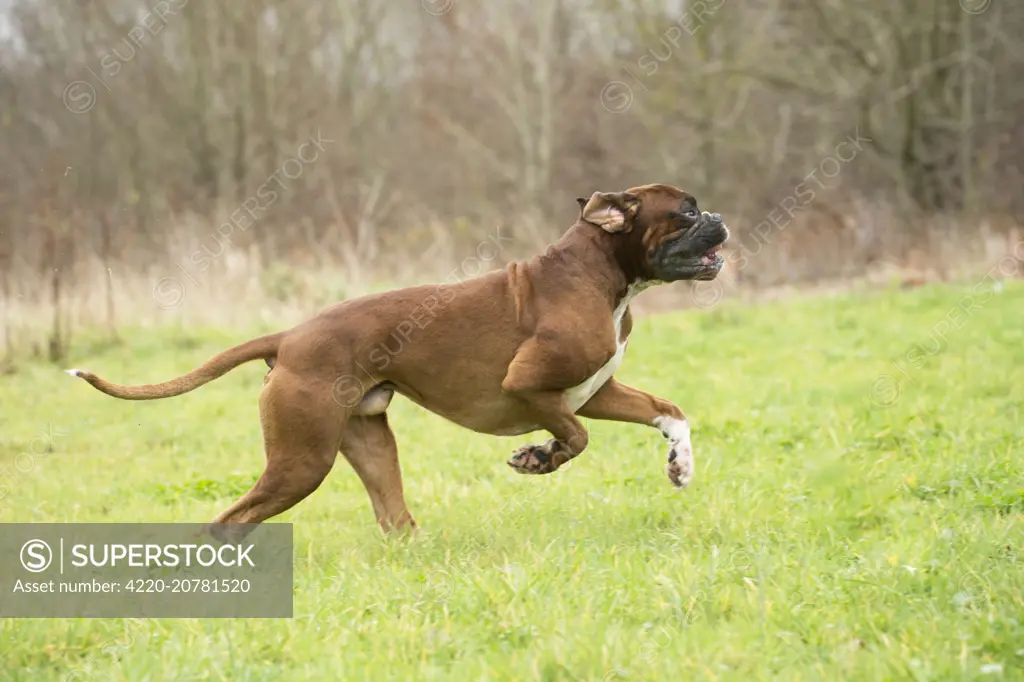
(173, 138)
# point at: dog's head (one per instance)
(660, 234)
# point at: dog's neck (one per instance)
(601, 263)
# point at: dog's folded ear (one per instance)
(611, 211)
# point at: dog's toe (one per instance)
(680, 452)
(680, 466)
(677, 475)
(518, 462)
(531, 459)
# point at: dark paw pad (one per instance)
(538, 459)
(680, 467)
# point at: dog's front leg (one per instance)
(618, 402)
(554, 416)
(538, 377)
(549, 409)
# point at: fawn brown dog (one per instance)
(527, 348)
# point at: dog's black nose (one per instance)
(716, 217)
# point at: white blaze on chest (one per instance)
(578, 396)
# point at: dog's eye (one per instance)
(691, 213)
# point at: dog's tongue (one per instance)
(710, 255)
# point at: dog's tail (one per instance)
(263, 347)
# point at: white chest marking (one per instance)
(578, 396)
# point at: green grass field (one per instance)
(849, 520)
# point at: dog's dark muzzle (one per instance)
(694, 254)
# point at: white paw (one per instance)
(680, 454)
(680, 465)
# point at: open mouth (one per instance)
(711, 258)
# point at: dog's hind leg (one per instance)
(302, 427)
(369, 445)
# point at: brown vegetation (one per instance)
(195, 158)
